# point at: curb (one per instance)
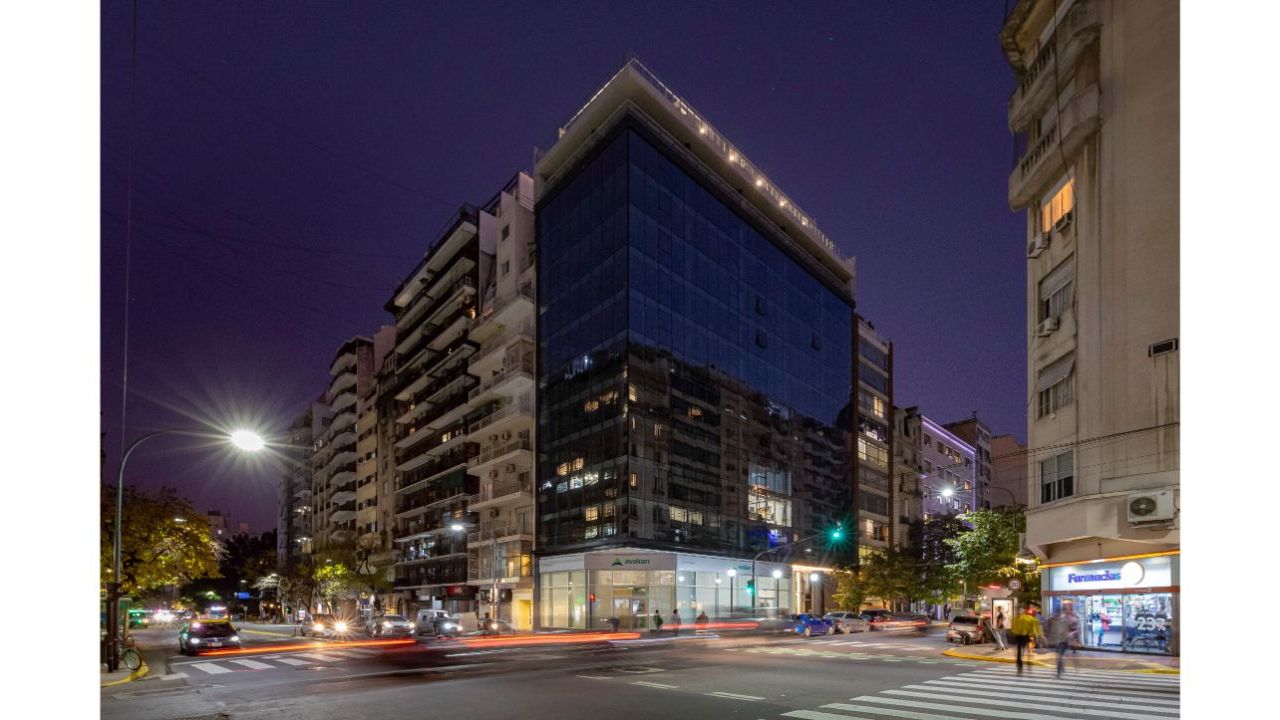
(132, 676)
(988, 658)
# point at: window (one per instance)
(679, 515)
(1057, 477)
(873, 454)
(1055, 386)
(927, 440)
(506, 268)
(506, 231)
(761, 340)
(1060, 202)
(592, 513)
(1056, 290)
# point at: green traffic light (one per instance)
(835, 534)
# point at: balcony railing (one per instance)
(484, 534)
(496, 451)
(1057, 144)
(524, 292)
(522, 333)
(524, 406)
(1054, 62)
(522, 367)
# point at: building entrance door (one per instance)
(631, 608)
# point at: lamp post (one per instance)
(244, 439)
(733, 575)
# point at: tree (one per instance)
(164, 541)
(850, 591)
(986, 550)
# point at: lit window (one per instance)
(591, 406)
(592, 513)
(679, 515)
(591, 532)
(1059, 204)
(577, 463)
(631, 393)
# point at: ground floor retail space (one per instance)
(588, 590)
(1125, 604)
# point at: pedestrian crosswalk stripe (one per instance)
(360, 651)
(253, 664)
(1029, 690)
(318, 657)
(1095, 701)
(736, 696)
(1068, 681)
(1050, 684)
(992, 712)
(1130, 677)
(978, 696)
(1124, 678)
(292, 661)
(347, 654)
(211, 668)
(815, 715)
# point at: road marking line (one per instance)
(990, 698)
(253, 664)
(318, 657)
(1032, 691)
(989, 712)
(292, 661)
(1083, 683)
(815, 715)
(361, 651)
(210, 668)
(654, 684)
(596, 677)
(174, 676)
(1036, 685)
(1108, 677)
(735, 696)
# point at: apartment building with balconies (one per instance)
(429, 396)
(1096, 114)
(294, 524)
(978, 436)
(501, 411)
(877, 495)
(351, 375)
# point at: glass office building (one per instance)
(695, 378)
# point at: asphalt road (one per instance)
(866, 675)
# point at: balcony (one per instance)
(342, 362)
(510, 381)
(1055, 62)
(342, 479)
(506, 309)
(493, 453)
(342, 382)
(342, 422)
(339, 460)
(1044, 162)
(520, 409)
(492, 349)
(343, 441)
(342, 497)
(433, 471)
(425, 456)
(344, 400)
(499, 493)
(342, 516)
(434, 499)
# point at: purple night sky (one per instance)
(294, 159)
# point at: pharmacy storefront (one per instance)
(585, 590)
(1125, 604)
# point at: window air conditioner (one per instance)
(1150, 507)
(493, 473)
(511, 467)
(506, 435)
(1037, 246)
(1047, 326)
(494, 512)
(1064, 221)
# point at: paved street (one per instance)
(870, 675)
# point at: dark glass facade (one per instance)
(695, 380)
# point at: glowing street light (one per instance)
(247, 440)
(947, 492)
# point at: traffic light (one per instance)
(591, 598)
(751, 587)
(837, 533)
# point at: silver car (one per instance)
(391, 626)
(845, 622)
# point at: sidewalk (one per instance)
(1082, 659)
(121, 676)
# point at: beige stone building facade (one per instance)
(1095, 112)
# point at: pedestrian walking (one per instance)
(1062, 630)
(1026, 627)
(1001, 629)
(675, 622)
(657, 622)
(614, 622)
(1098, 628)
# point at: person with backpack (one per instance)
(657, 622)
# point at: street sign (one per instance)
(1014, 584)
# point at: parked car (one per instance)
(809, 625)
(391, 626)
(966, 629)
(207, 634)
(843, 622)
(883, 619)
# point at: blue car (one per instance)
(808, 625)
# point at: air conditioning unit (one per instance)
(1047, 326)
(1064, 221)
(1037, 246)
(494, 512)
(1150, 507)
(493, 474)
(493, 438)
(506, 435)
(511, 467)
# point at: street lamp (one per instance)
(244, 439)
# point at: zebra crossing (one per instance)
(275, 662)
(881, 645)
(858, 650)
(1002, 693)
